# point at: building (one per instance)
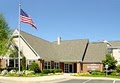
(72, 56)
(114, 50)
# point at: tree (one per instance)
(23, 63)
(110, 61)
(4, 35)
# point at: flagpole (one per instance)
(19, 27)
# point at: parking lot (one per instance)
(65, 78)
(90, 81)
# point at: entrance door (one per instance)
(68, 68)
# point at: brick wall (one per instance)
(88, 66)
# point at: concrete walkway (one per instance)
(47, 79)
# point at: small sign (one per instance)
(106, 66)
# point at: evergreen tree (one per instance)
(23, 63)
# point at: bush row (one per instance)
(14, 72)
(95, 72)
(46, 71)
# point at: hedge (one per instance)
(46, 71)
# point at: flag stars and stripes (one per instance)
(25, 18)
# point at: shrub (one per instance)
(23, 63)
(34, 67)
(28, 72)
(51, 70)
(46, 71)
(4, 72)
(12, 71)
(57, 70)
(118, 69)
(97, 73)
(113, 73)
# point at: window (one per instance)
(118, 59)
(16, 62)
(7, 64)
(109, 50)
(11, 62)
(47, 65)
(56, 65)
(66, 68)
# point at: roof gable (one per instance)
(42, 47)
(95, 52)
(71, 50)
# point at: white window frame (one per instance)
(46, 63)
(16, 62)
(7, 61)
(57, 65)
(67, 67)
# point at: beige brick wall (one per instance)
(78, 67)
(87, 67)
(2, 63)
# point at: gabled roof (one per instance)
(67, 51)
(70, 50)
(43, 48)
(95, 52)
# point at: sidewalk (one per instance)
(33, 79)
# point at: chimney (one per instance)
(59, 40)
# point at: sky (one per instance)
(96, 20)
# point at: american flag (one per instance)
(25, 18)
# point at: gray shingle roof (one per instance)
(95, 52)
(42, 47)
(70, 50)
(115, 43)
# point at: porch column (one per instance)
(41, 64)
(78, 67)
(101, 67)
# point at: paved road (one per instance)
(65, 78)
(89, 81)
(75, 81)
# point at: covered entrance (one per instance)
(68, 68)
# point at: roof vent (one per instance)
(59, 40)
